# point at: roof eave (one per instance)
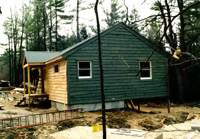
(34, 64)
(54, 60)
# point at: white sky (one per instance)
(86, 17)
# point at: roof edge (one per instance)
(93, 38)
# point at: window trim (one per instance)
(84, 77)
(146, 78)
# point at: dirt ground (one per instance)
(152, 116)
(149, 119)
(156, 116)
(9, 98)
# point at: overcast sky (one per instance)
(86, 17)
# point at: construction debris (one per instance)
(1, 107)
(195, 125)
(43, 132)
(70, 123)
(175, 131)
(4, 83)
(5, 86)
(150, 119)
(18, 90)
(115, 120)
(178, 117)
(130, 132)
(150, 124)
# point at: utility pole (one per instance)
(101, 71)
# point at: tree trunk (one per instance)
(44, 27)
(9, 58)
(182, 26)
(56, 27)
(180, 85)
(21, 43)
(15, 40)
(77, 22)
(38, 31)
(20, 54)
(26, 41)
(50, 28)
(172, 35)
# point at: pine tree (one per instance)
(83, 33)
(113, 16)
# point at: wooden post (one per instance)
(42, 74)
(24, 80)
(29, 86)
(168, 87)
(168, 105)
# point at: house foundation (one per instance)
(59, 106)
(97, 106)
(88, 107)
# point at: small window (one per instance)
(56, 68)
(145, 70)
(84, 69)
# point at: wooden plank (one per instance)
(24, 80)
(25, 66)
(29, 84)
(56, 82)
(42, 76)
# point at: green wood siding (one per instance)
(122, 51)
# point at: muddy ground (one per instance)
(152, 116)
(10, 98)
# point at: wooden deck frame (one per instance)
(28, 67)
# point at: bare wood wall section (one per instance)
(56, 82)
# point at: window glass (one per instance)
(145, 70)
(84, 69)
(56, 68)
(84, 73)
(145, 73)
(84, 65)
(145, 65)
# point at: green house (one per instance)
(72, 78)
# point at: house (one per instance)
(71, 77)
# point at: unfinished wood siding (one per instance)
(56, 82)
(122, 51)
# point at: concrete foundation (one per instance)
(88, 107)
(59, 106)
(97, 106)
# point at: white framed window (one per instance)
(84, 69)
(145, 70)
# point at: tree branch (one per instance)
(127, 18)
(183, 11)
